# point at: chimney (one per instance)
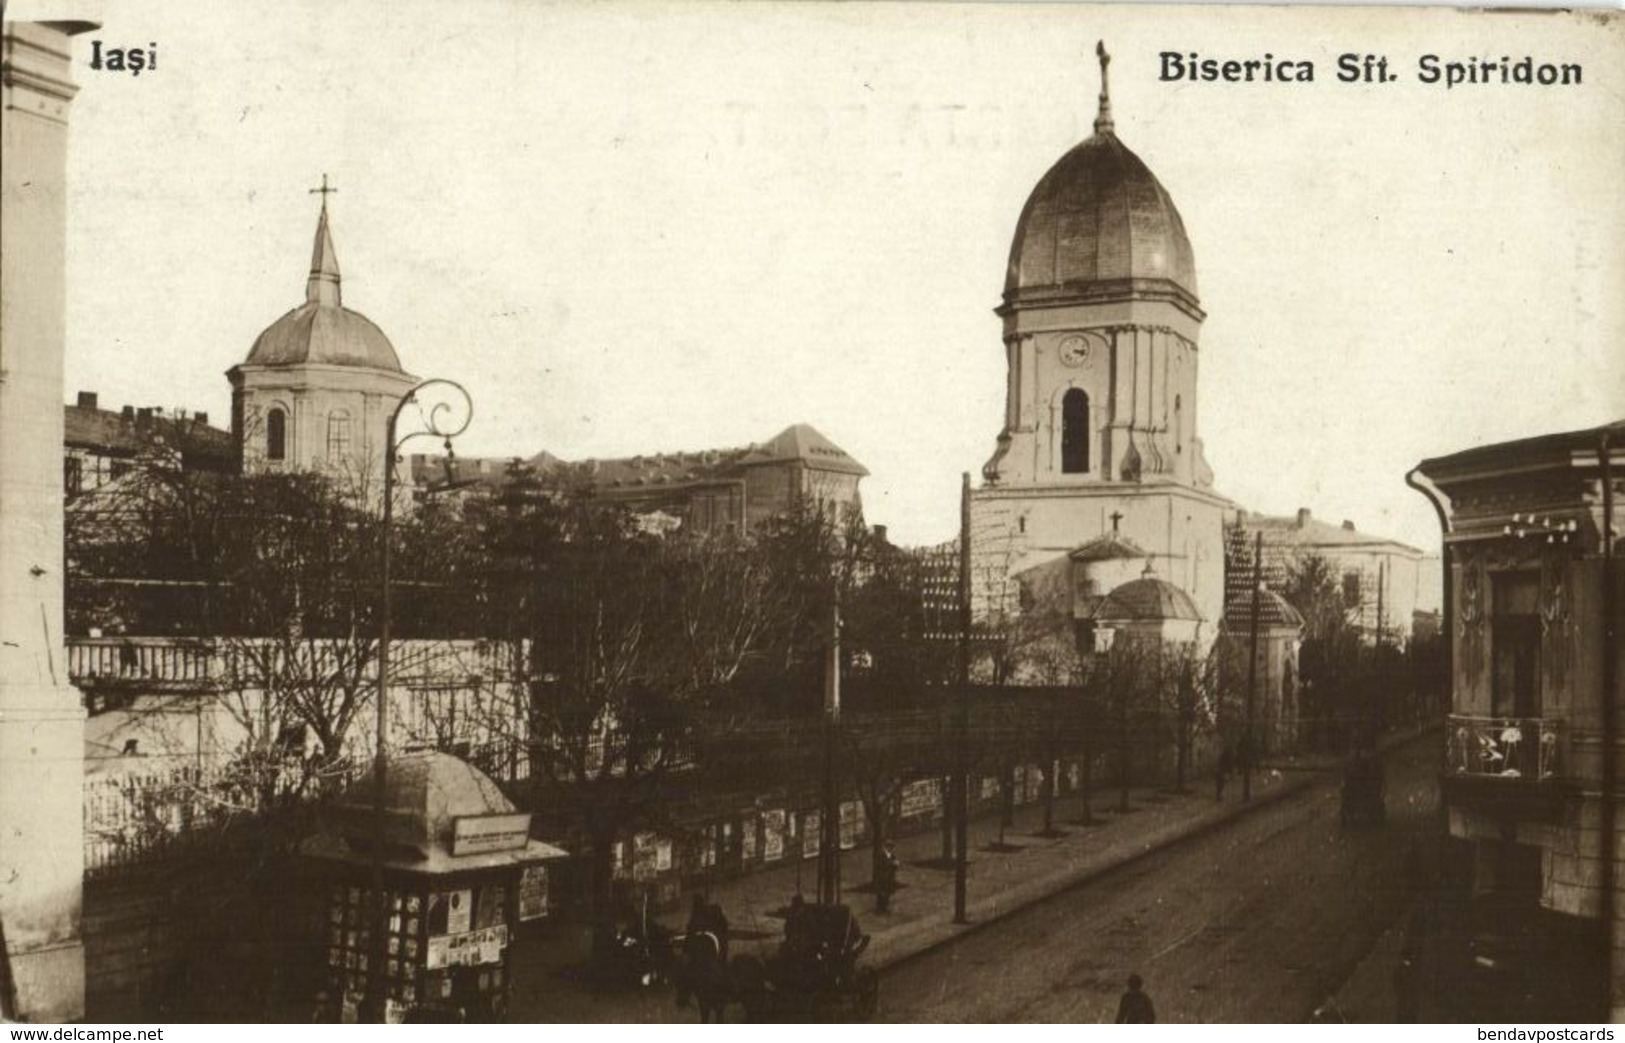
(1348, 526)
(201, 418)
(880, 534)
(1303, 517)
(143, 416)
(128, 413)
(87, 400)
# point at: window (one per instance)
(1515, 644)
(73, 475)
(276, 435)
(1075, 432)
(338, 436)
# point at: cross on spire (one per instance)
(1103, 121)
(1116, 516)
(324, 191)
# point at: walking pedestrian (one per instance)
(1135, 1007)
(1221, 772)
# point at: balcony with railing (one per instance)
(1505, 758)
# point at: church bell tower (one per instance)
(1101, 331)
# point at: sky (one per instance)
(633, 227)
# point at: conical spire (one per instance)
(323, 287)
(1103, 120)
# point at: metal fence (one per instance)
(144, 817)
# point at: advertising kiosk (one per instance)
(459, 871)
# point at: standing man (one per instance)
(1135, 1007)
(885, 878)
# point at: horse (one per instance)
(703, 975)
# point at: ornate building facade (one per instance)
(1531, 535)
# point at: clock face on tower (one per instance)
(1074, 351)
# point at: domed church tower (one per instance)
(1101, 324)
(319, 384)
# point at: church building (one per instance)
(319, 385)
(1097, 500)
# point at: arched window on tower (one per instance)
(1075, 432)
(276, 435)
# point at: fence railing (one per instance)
(140, 817)
(204, 663)
(1504, 747)
(142, 659)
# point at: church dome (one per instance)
(332, 335)
(1099, 223)
(1147, 599)
(322, 330)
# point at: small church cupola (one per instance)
(319, 383)
(322, 330)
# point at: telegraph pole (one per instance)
(1252, 670)
(957, 795)
(829, 832)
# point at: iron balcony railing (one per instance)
(1504, 747)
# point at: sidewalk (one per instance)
(1000, 881)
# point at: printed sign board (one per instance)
(773, 835)
(921, 798)
(533, 893)
(484, 834)
(469, 949)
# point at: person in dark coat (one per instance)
(885, 878)
(1135, 1007)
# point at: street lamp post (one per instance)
(444, 412)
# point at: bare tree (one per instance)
(635, 641)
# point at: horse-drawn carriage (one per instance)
(814, 976)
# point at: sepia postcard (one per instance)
(914, 512)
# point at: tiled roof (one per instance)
(1273, 611)
(1307, 531)
(115, 434)
(798, 443)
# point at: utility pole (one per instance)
(1252, 670)
(957, 795)
(829, 831)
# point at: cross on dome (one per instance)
(1103, 121)
(324, 192)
